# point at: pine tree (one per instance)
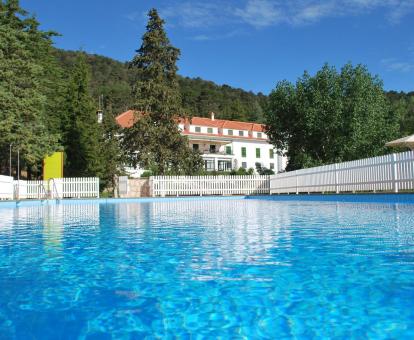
(23, 99)
(83, 134)
(154, 142)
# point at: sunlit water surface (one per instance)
(207, 268)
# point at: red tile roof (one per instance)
(127, 119)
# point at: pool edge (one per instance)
(404, 198)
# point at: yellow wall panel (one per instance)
(53, 166)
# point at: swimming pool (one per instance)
(230, 268)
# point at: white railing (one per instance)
(208, 185)
(6, 187)
(393, 172)
(56, 188)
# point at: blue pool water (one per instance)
(237, 268)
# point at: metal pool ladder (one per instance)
(53, 192)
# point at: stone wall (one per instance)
(137, 187)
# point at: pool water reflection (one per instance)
(211, 268)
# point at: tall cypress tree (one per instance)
(83, 134)
(154, 142)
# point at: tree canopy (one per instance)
(330, 117)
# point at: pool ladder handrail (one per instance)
(56, 196)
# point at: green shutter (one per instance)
(257, 152)
(271, 153)
(228, 150)
(243, 151)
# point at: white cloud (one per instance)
(198, 14)
(313, 12)
(395, 65)
(260, 13)
(400, 10)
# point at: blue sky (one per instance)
(250, 44)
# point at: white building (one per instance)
(224, 145)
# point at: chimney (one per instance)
(212, 115)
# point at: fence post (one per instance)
(297, 184)
(97, 187)
(394, 172)
(336, 178)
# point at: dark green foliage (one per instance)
(402, 105)
(154, 141)
(109, 78)
(331, 117)
(26, 87)
(200, 97)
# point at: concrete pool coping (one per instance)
(402, 198)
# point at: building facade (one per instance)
(224, 145)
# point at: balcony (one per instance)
(218, 153)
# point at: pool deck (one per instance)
(401, 198)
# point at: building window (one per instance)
(224, 165)
(271, 154)
(196, 147)
(272, 166)
(259, 135)
(244, 165)
(209, 130)
(230, 132)
(197, 129)
(243, 151)
(212, 149)
(241, 133)
(228, 150)
(257, 152)
(209, 164)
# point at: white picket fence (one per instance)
(80, 187)
(393, 172)
(208, 185)
(57, 188)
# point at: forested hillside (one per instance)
(113, 79)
